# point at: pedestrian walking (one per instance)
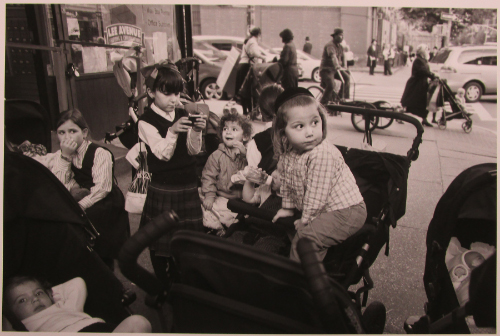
(307, 46)
(388, 55)
(249, 55)
(288, 60)
(372, 56)
(415, 94)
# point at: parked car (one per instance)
(473, 68)
(224, 44)
(308, 65)
(210, 67)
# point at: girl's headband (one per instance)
(289, 94)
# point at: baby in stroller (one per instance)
(60, 308)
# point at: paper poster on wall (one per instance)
(94, 59)
(160, 48)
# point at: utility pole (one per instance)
(250, 19)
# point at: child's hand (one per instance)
(200, 123)
(68, 147)
(240, 147)
(283, 213)
(208, 203)
(182, 125)
(298, 224)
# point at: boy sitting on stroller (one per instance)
(60, 308)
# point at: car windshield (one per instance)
(441, 56)
(211, 53)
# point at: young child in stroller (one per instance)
(316, 180)
(60, 308)
(216, 184)
(460, 98)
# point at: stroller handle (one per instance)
(127, 258)
(413, 152)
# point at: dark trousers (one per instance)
(373, 64)
(328, 77)
(246, 94)
(387, 67)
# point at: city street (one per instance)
(443, 155)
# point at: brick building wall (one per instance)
(317, 22)
(223, 20)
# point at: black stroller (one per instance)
(45, 232)
(467, 211)
(443, 94)
(224, 287)
(382, 180)
(51, 237)
(259, 76)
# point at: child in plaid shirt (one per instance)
(316, 180)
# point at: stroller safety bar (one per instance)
(127, 259)
(241, 207)
(413, 152)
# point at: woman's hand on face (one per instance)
(182, 125)
(68, 147)
(200, 123)
(283, 213)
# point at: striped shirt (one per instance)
(102, 172)
(318, 181)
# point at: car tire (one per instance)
(473, 92)
(315, 75)
(210, 90)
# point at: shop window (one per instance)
(151, 26)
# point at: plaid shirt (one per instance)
(318, 181)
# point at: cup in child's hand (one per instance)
(256, 175)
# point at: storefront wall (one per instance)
(99, 97)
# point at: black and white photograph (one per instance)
(250, 168)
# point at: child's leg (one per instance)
(134, 324)
(331, 228)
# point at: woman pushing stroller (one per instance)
(415, 94)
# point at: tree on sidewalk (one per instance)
(425, 19)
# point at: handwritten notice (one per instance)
(157, 18)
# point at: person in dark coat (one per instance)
(372, 56)
(415, 94)
(307, 46)
(288, 60)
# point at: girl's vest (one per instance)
(181, 168)
(83, 176)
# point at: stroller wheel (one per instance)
(374, 318)
(467, 127)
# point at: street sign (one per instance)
(448, 17)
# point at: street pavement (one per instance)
(443, 155)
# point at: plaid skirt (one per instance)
(183, 199)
